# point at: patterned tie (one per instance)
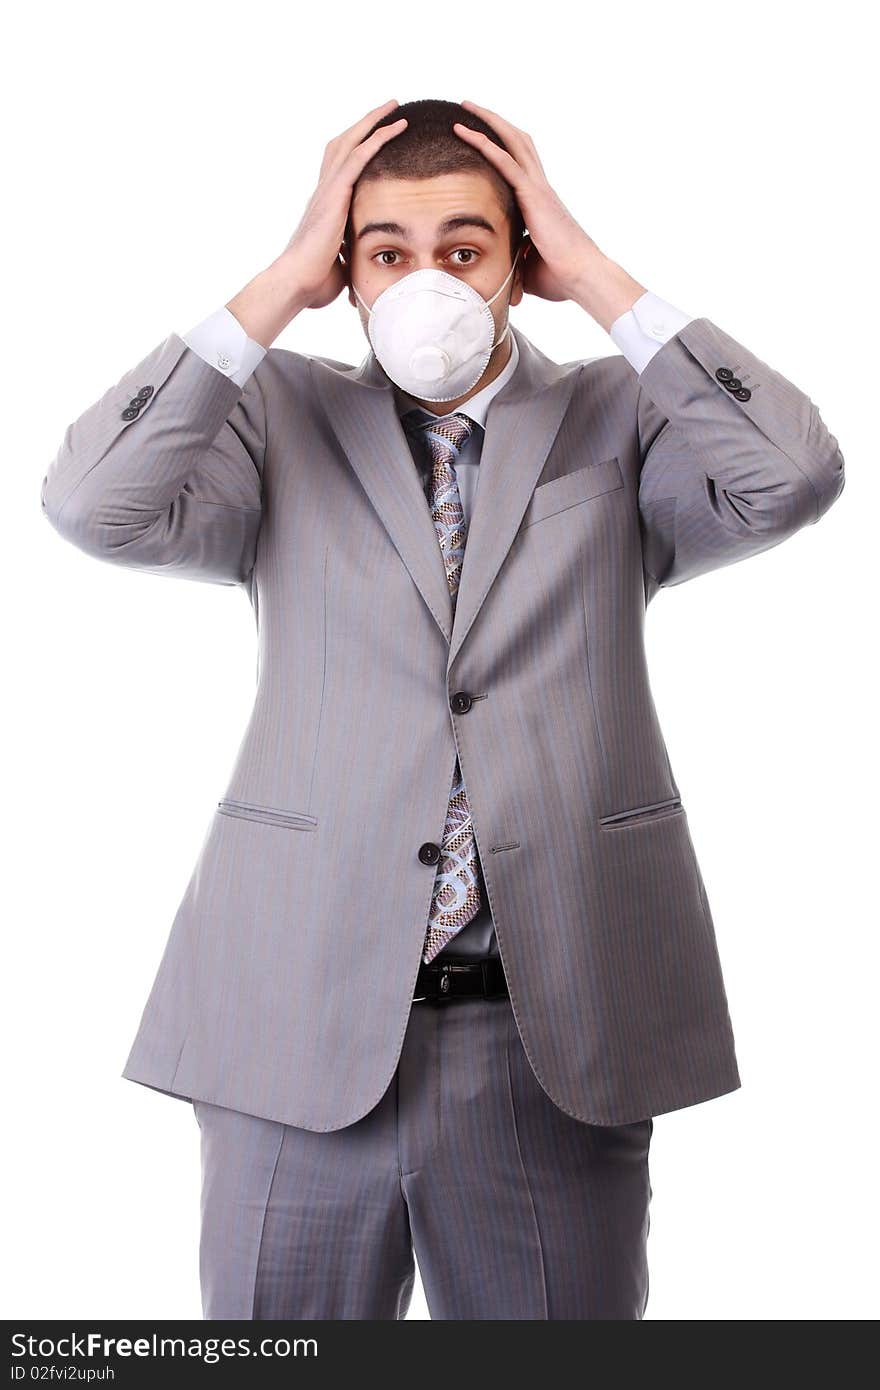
(456, 897)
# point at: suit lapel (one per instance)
(521, 424)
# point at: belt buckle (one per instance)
(444, 981)
(443, 973)
(423, 998)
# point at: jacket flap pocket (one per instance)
(591, 480)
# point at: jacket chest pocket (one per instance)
(267, 815)
(592, 480)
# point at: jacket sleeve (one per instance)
(734, 458)
(164, 472)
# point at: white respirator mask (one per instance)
(434, 334)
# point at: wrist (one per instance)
(269, 302)
(604, 289)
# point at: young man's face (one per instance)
(398, 226)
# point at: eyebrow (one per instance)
(449, 224)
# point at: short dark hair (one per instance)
(428, 146)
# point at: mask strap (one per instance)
(505, 280)
(495, 296)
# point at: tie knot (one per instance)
(451, 431)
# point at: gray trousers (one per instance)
(513, 1208)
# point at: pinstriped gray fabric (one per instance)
(515, 1209)
(286, 983)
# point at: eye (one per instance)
(467, 251)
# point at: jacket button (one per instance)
(429, 853)
(461, 702)
(733, 384)
(743, 394)
(145, 392)
(131, 413)
(724, 374)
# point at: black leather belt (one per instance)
(483, 979)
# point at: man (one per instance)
(447, 949)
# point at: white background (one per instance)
(158, 156)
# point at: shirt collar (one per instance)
(476, 407)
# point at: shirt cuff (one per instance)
(643, 329)
(221, 340)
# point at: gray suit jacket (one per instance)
(287, 978)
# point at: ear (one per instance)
(345, 266)
(525, 249)
(517, 285)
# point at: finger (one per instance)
(339, 148)
(520, 142)
(347, 166)
(517, 141)
(363, 153)
(355, 133)
(504, 162)
(510, 133)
